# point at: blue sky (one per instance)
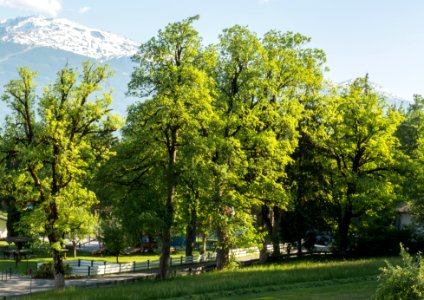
(384, 38)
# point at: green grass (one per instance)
(337, 291)
(305, 279)
(20, 268)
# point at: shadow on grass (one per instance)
(256, 281)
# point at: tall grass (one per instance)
(248, 281)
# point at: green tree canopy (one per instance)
(55, 141)
(358, 140)
(170, 73)
(411, 135)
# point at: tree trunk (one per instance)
(74, 248)
(151, 244)
(166, 233)
(190, 236)
(223, 249)
(263, 252)
(13, 218)
(53, 216)
(344, 224)
(299, 227)
(204, 239)
(299, 246)
(117, 258)
(345, 217)
(270, 221)
(165, 254)
(169, 208)
(191, 231)
(275, 236)
(58, 270)
(262, 217)
(54, 240)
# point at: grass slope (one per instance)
(290, 280)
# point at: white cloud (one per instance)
(48, 7)
(84, 9)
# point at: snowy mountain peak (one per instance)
(66, 35)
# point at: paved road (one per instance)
(20, 286)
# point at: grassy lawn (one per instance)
(306, 279)
(20, 268)
(336, 291)
(125, 258)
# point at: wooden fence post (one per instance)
(148, 264)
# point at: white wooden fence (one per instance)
(81, 267)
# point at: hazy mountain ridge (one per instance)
(47, 45)
(47, 62)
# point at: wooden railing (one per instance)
(93, 268)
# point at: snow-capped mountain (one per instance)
(46, 45)
(66, 35)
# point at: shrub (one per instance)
(378, 240)
(416, 240)
(46, 270)
(402, 282)
(114, 237)
(233, 264)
